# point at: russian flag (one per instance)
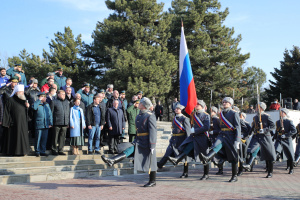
(188, 96)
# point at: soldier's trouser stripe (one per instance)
(254, 154)
(129, 151)
(188, 148)
(218, 148)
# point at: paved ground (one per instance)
(252, 185)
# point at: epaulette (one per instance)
(266, 114)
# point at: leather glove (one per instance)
(192, 130)
(152, 151)
(283, 136)
(211, 132)
(237, 145)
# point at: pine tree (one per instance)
(215, 56)
(286, 77)
(131, 47)
(65, 51)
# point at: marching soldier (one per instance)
(198, 141)
(181, 129)
(213, 134)
(285, 129)
(297, 153)
(245, 141)
(144, 144)
(229, 137)
(262, 140)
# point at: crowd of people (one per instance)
(52, 110)
(223, 135)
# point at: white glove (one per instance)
(237, 145)
(261, 131)
(192, 130)
(211, 132)
(283, 136)
(152, 151)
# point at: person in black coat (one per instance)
(284, 141)
(159, 111)
(121, 106)
(116, 123)
(61, 118)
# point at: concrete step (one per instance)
(38, 177)
(51, 169)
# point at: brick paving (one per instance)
(252, 185)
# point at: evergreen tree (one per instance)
(65, 51)
(286, 77)
(131, 47)
(214, 53)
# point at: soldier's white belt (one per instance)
(179, 134)
(142, 134)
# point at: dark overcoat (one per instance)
(264, 141)
(285, 146)
(145, 123)
(227, 138)
(115, 119)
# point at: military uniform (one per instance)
(297, 153)
(11, 72)
(285, 145)
(178, 136)
(145, 141)
(229, 138)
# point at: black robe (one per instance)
(15, 121)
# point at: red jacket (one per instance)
(275, 106)
(45, 88)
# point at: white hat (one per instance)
(146, 102)
(17, 88)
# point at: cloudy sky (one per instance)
(267, 27)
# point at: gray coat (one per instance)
(145, 123)
(227, 138)
(285, 146)
(176, 141)
(264, 141)
(199, 138)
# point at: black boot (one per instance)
(240, 172)
(113, 160)
(248, 165)
(234, 167)
(152, 179)
(220, 166)
(177, 159)
(162, 162)
(205, 174)
(287, 165)
(267, 166)
(291, 166)
(297, 159)
(185, 171)
(207, 158)
(270, 169)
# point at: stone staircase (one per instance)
(34, 169)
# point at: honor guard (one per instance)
(144, 144)
(297, 153)
(262, 140)
(229, 137)
(213, 134)
(285, 130)
(198, 141)
(245, 141)
(181, 129)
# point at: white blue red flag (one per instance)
(188, 96)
